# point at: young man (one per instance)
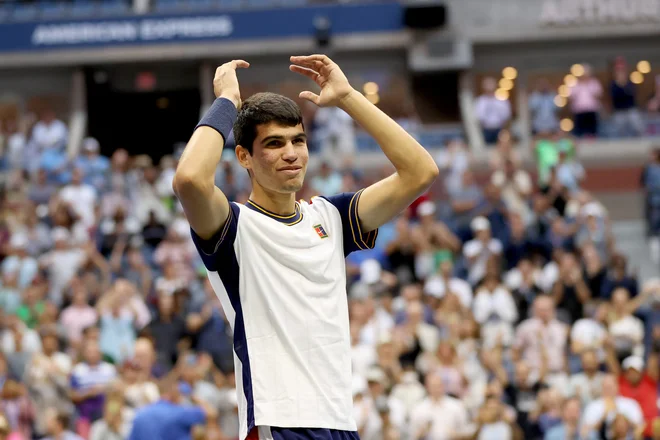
(277, 265)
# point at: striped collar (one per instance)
(288, 220)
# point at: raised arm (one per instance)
(205, 205)
(415, 168)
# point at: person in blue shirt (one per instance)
(96, 168)
(168, 419)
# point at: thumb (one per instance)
(310, 97)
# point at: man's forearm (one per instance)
(201, 156)
(409, 158)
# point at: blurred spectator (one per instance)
(543, 108)
(492, 113)
(480, 249)
(653, 104)
(602, 413)
(327, 180)
(58, 423)
(334, 133)
(92, 165)
(49, 132)
(585, 101)
(81, 197)
(167, 418)
(627, 119)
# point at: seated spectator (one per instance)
(94, 167)
(515, 186)
(492, 113)
(626, 118)
(433, 241)
(585, 103)
(541, 340)
(17, 407)
(445, 283)
(168, 418)
(49, 132)
(327, 181)
(424, 422)
(570, 424)
(570, 292)
(78, 316)
(81, 197)
(465, 200)
(587, 384)
(543, 109)
(602, 413)
(494, 308)
(167, 329)
(479, 250)
(18, 262)
(90, 380)
(58, 424)
(617, 277)
(112, 426)
(626, 330)
(47, 377)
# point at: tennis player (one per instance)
(277, 265)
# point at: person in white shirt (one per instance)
(446, 283)
(587, 385)
(278, 265)
(335, 132)
(81, 197)
(495, 309)
(49, 132)
(610, 404)
(438, 417)
(492, 113)
(479, 250)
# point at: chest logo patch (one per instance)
(319, 230)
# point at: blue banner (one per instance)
(229, 26)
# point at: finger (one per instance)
(240, 64)
(309, 73)
(312, 97)
(308, 58)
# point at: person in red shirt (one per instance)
(640, 384)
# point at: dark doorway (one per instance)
(149, 123)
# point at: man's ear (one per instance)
(243, 156)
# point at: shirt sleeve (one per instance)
(219, 247)
(354, 238)
(190, 416)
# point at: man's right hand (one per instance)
(225, 83)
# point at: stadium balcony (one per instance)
(58, 9)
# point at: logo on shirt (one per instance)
(319, 230)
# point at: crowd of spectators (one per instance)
(595, 107)
(497, 307)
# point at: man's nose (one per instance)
(289, 153)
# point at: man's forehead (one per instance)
(273, 129)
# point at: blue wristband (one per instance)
(220, 117)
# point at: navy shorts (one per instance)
(272, 433)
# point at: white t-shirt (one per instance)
(51, 135)
(448, 417)
(595, 411)
(482, 253)
(437, 287)
(82, 199)
(588, 332)
(282, 284)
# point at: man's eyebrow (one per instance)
(280, 137)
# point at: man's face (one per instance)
(279, 157)
(633, 376)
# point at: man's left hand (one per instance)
(327, 75)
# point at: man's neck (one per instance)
(278, 203)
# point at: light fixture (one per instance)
(644, 66)
(370, 88)
(570, 80)
(502, 94)
(506, 84)
(564, 91)
(577, 70)
(373, 98)
(636, 77)
(566, 124)
(560, 101)
(510, 73)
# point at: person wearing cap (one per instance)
(480, 249)
(638, 382)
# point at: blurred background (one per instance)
(517, 299)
